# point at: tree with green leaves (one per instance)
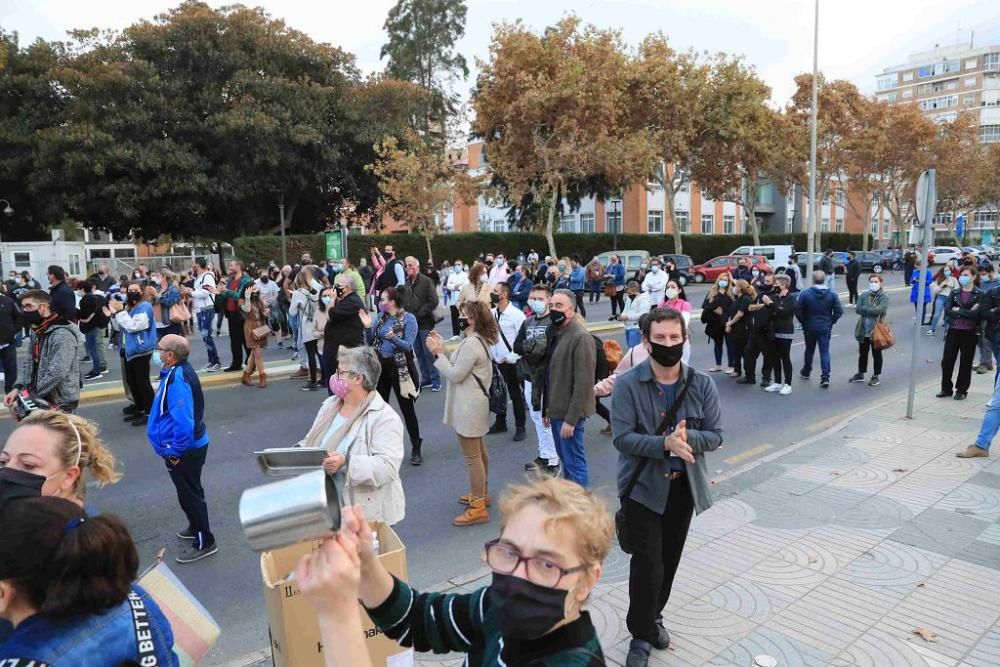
(421, 49)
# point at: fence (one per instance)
(126, 266)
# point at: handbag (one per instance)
(497, 395)
(261, 332)
(609, 289)
(179, 313)
(621, 516)
(882, 336)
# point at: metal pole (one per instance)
(811, 231)
(927, 226)
(614, 243)
(281, 213)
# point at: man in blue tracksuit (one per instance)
(177, 432)
(577, 283)
(818, 309)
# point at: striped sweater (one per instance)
(445, 622)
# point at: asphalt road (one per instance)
(242, 419)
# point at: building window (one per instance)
(654, 222)
(907, 76)
(728, 224)
(989, 134)
(124, 253)
(969, 100)
(99, 253)
(586, 223)
(970, 81)
(840, 224)
(840, 198)
(74, 264)
(908, 92)
(886, 81)
(951, 85)
(22, 260)
(682, 222)
(789, 223)
(824, 226)
(874, 228)
(938, 103)
(708, 224)
(885, 228)
(613, 222)
(567, 223)
(991, 62)
(970, 63)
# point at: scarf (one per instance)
(325, 419)
(399, 357)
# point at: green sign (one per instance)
(987, 238)
(336, 244)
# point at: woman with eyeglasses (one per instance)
(363, 436)
(548, 558)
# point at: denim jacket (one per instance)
(119, 635)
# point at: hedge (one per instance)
(263, 249)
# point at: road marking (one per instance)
(748, 454)
(824, 424)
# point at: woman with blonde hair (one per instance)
(167, 295)
(255, 314)
(55, 452)
(477, 289)
(469, 371)
(303, 307)
(737, 330)
(714, 314)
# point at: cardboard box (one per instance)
(295, 639)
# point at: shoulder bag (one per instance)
(621, 516)
(882, 336)
(497, 395)
(179, 313)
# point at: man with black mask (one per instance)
(51, 369)
(664, 417)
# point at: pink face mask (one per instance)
(339, 387)
(383, 308)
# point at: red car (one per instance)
(711, 269)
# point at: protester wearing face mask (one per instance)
(781, 332)
(554, 538)
(818, 309)
(343, 326)
(962, 313)
(179, 436)
(363, 436)
(674, 297)
(872, 307)
(636, 305)
(743, 271)
(303, 308)
(532, 347)
(665, 416)
(738, 323)
(655, 283)
(453, 286)
(63, 300)
(255, 313)
(497, 270)
(65, 585)
(135, 321)
(714, 311)
(419, 296)
(520, 287)
(987, 281)
(51, 369)
(795, 274)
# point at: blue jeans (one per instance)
(823, 338)
(571, 452)
(205, 317)
(991, 419)
(940, 303)
(428, 374)
(633, 337)
(8, 356)
(94, 349)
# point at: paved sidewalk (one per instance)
(836, 552)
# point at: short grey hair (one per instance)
(819, 277)
(569, 295)
(363, 361)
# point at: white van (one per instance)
(777, 255)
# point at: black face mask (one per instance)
(666, 355)
(339, 289)
(558, 317)
(525, 610)
(264, 279)
(463, 323)
(32, 319)
(494, 299)
(19, 484)
(766, 288)
(132, 298)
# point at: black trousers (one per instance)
(779, 358)
(8, 357)
(959, 344)
(618, 302)
(739, 345)
(863, 348)
(658, 541)
(602, 410)
(580, 307)
(237, 341)
(329, 364)
(455, 330)
(852, 290)
(136, 373)
(312, 357)
(388, 382)
(756, 346)
(186, 476)
(515, 390)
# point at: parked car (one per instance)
(776, 255)
(683, 264)
(632, 259)
(943, 254)
(711, 269)
(869, 259)
(839, 261)
(979, 251)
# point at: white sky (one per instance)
(858, 38)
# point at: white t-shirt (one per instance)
(268, 291)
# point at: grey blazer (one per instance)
(636, 412)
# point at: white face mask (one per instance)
(672, 293)
(874, 286)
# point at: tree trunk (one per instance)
(750, 210)
(550, 223)
(430, 253)
(668, 188)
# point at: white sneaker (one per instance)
(773, 387)
(786, 390)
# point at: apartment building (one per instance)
(943, 82)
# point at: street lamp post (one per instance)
(811, 231)
(281, 215)
(614, 229)
(8, 211)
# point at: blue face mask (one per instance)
(964, 280)
(327, 300)
(517, 276)
(156, 358)
(723, 284)
(537, 307)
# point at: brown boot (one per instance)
(263, 380)
(468, 498)
(475, 513)
(973, 452)
(246, 379)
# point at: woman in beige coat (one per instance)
(477, 289)
(469, 371)
(363, 436)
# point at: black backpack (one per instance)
(601, 370)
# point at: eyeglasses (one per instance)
(340, 373)
(504, 558)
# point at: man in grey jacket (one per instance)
(52, 367)
(419, 297)
(672, 482)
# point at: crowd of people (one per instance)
(364, 333)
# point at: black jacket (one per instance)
(8, 320)
(989, 310)
(419, 296)
(761, 319)
(968, 313)
(853, 269)
(63, 300)
(715, 325)
(782, 311)
(343, 325)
